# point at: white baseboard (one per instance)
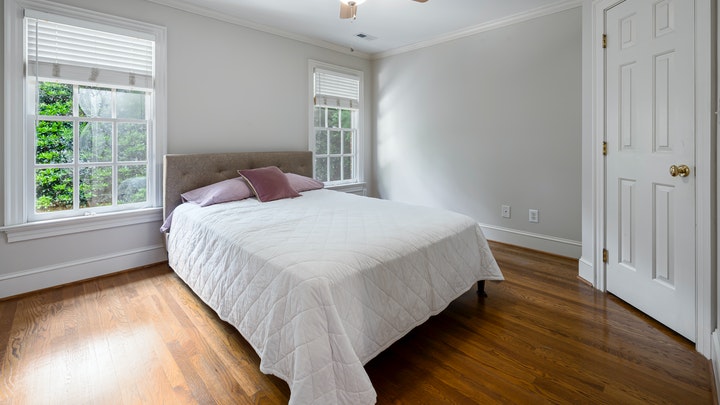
(544, 243)
(69, 272)
(586, 270)
(715, 357)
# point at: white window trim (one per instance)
(358, 188)
(360, 156)
(16, 222)
(64, 226)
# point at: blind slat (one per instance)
(71, 47)
(336, 89)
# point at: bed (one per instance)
(322, 283)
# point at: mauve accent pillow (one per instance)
(269, 183)
(301, 183)
(223, 191)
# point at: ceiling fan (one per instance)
(348, 8)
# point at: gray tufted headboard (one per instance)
(183, 173)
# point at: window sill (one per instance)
(66, 226)
(352, 188)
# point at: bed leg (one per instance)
(481, 288)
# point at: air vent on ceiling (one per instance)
(365, 36)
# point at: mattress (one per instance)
(322, 283)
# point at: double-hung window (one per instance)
(88, 128)
(335, 135)
(90, 99)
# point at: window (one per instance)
(335, 134)
(87, 122)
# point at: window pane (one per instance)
(132, 182)
(321, 143)
(95, 186)
(335, 168)
(347, 168)
(95, 102)
(321, 169)
(347, 142)
(55, 99)
(346, 119)
(95, 141)
(130, 104)
(335, 141)
(53, 190)
(319, 117)
(132, 142)
(333, 119)
(54, 142)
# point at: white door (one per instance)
(650, 128)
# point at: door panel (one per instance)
(650, 219)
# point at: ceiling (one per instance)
(394, 24)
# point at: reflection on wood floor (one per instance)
(142, 337)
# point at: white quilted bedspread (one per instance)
(322, 283)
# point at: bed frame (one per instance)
(185, 172)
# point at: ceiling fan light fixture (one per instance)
(348, 8)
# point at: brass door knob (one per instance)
(682, 171)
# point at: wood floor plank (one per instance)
(196, 341)
(69, 348)
(101, 369)
(141, 336)
(155, 313)
(7, 352)
(176, 389)
(542, 336)
(227, 343)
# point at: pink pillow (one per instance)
(301, 183)
(220, 192)
(269, 183)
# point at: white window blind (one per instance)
(333, 89)
(72, 52)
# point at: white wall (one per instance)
(486, 120)
(229, 89)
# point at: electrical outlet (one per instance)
(534, 215)
(505, 211)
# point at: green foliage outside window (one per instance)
(53, 189)
(333, 136)
(54, 186)
(54, 140)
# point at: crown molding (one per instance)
(557, 7)
(487, 26)
(207, 12)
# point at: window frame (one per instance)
(18, 220)
(353, 129)
(357, 117)
(77, 164)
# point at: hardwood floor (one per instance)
(542, 336)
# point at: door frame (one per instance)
(705, 158)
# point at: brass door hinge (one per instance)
(604, 43)
(606, 255)
(604, 148)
